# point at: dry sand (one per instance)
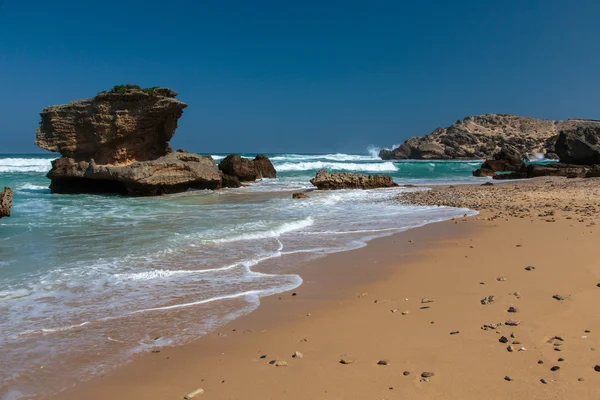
(367, 306)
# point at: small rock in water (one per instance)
(281, 363)
(193, 394)
(427, 374)
(508, 378)
(529, 268)
(558, 297)
(297, 354)
(512, 309)
(347, 360)
(383, 362)
(425, 300)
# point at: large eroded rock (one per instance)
(579, 146)
(481, 137)
(173, 173)
(247, 170)
(112, 128)
(6, 197)
(345, 180)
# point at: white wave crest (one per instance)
(271, 233)
(387, 166)
(25, 164)
(325, 157)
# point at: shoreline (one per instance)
(339, 291)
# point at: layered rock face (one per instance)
(481, 137)
(112, 128)
(173, 173)
(118, 142)
(246, 170)
(344, 180)
(6, 197)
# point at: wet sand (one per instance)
(414, 303)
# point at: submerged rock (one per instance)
(345, 180)
(299, 195)
(6, 197)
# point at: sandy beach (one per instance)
(502, 305)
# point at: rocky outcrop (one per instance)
(176, 172)
(481, 137)
(579, 146)
(264, 167)
(118, 142)
(557, 169)
(507, 159)
(345, 180)
(114, 127)
(247, 170)
(6, 197)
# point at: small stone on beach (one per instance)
(454, 332)
(383, 362)
(425, 300)
(406, 373)
(508, 378)
(501, 279)
(512, 322)
(193, 394)
(555, 368)
(281, 363)
(347, 360)
(297, 354)
(558, 297)
(503, 339)
(427, 374)
(512, 309)
(545, 381)
(529, 268)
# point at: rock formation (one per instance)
(118, 142)
(173, 173)
(481, 137)
(507, 159)
(345, 180)
(245, 169)
(299, 195)
(579, 146)
(112, 128)
(5, 202)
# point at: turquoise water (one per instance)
(91, 281)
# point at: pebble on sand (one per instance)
(555, 368)
(508, 378)
(427, 374)
(558, 297)
(545, 381)
(347, 360)
(501, 278)
(597, 368)
(297, 354)
(503, 339)
(281, 363)
(406, 373)
(529, 268)
(513, 322)
(383, 362)
(425, 300)
(512, 309)
(193, 394)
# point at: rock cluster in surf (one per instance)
(481, 137)
(236, 169)
(5, 202)
(118, 142)
(578, 149)
(325, 180)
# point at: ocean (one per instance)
(88, 282)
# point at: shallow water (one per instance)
(90, 281)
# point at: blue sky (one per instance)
(303, 76)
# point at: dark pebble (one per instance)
(540, 362)
(503, 339)
(561, 359)
(597, 368)
(555, 368)
(406, 373)
(508, 378)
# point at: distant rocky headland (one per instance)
(482, 136)
(118, 142)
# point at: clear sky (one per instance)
(303, 76)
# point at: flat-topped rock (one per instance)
(6, 197)
(176, 172)
(325, 180)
